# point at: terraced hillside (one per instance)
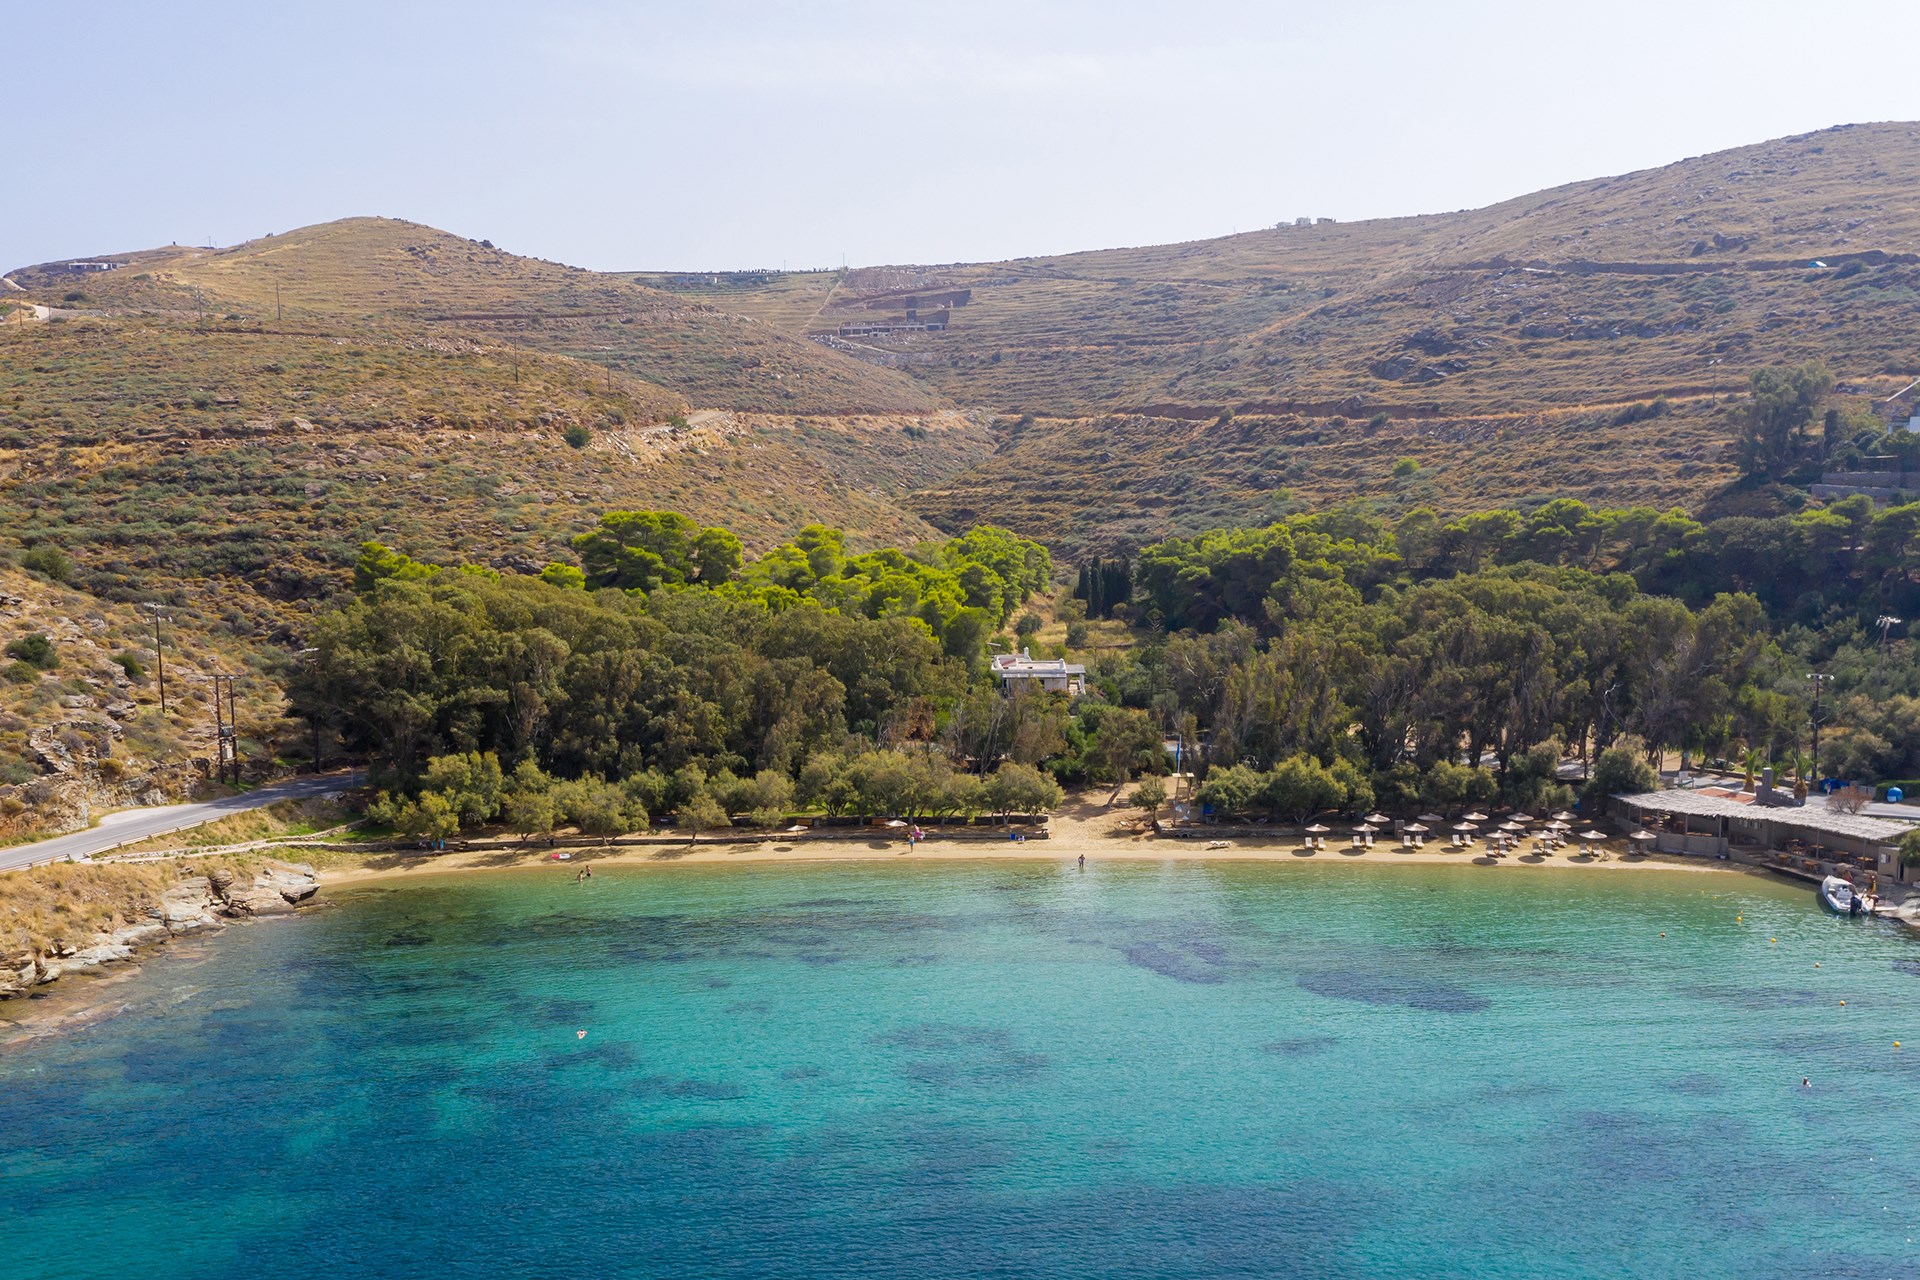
(244, 463)
(1673, 281)
(379, 271)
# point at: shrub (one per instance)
(21, 673)
(1028, 626)
(1150, 795)
(578, 436)
(1076, 635)
(130, 663)
(1621, 769)
(48, 561)
(35, 650)
(1406, 467)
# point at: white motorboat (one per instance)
(1837, 896)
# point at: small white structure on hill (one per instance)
(1055, 675)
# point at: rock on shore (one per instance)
(201, 902)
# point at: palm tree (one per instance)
(1751, 763)
(1802, 769)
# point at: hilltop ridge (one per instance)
(1673, 280)
(396, 274)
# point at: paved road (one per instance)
(138, 824)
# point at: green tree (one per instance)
(598, 807)
(564, 575)
(1149, 795)
(1622, 769)
(529, 813)
(426, 817)
(1021, 788)
(1781, 405)
(470, 782)
(701, 813)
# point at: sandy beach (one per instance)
(1084, 825)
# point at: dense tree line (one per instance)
(685, 683)
(1330, 661)
(1104, 585)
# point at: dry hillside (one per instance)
(378, 271)
(246, 464)
(1673, 281)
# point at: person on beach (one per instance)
(1083, 862)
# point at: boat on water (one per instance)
(1838, 896)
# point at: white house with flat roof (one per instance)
(1055, 675)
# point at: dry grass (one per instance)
(378, 271)
(67, 904)
(274, 821)
(1111, 484)
(1481, 312)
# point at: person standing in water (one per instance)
(1083, 862)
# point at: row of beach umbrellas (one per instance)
(1515, 825)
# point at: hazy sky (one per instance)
(703, 135)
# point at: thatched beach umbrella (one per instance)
(1563, 816)
(1377, 819)
(1431, 817)
(1414, 829)
(1317, 830)
(1465, 826)
(1591, 835)
(1643, 838)
(1365, 829)
(1513, 825)
(1475, 817)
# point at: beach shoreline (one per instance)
(1100, 833)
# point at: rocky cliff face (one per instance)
(201, 902)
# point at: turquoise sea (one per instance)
(991, 1070)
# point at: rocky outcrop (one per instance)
(200, 902)
(273, 890)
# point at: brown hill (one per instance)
(401, 274)
(244, 464)
(1675, 280)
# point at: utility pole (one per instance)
(1886, 622)
(276, 302)
(159, 654)
(1815, 682)
(226, 727)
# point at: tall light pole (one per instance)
(1815, 682)
(1886, 622)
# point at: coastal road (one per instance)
(138, 824)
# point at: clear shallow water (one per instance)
(943, 1071)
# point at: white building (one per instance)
(1055, 675)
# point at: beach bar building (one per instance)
(1693, 822)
